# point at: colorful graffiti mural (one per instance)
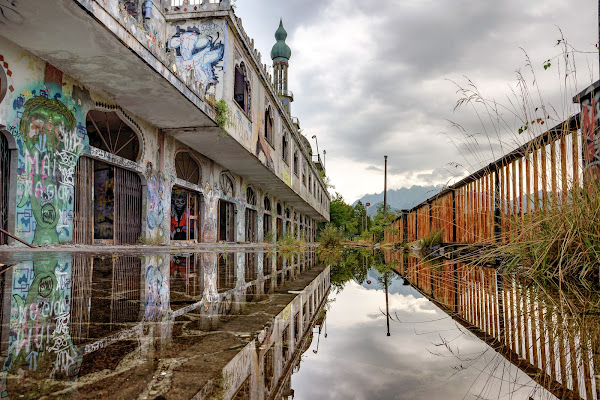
(158, 200)
(591, 138)
(179, 214)
(200, 49)
(157, 295)
(50, 140)
(39, 342)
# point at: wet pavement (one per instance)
(267, 325)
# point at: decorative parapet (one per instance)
(186, 8)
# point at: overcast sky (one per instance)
(374, 78)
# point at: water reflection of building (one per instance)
(122, 313)
(557, 345)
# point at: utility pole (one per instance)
(385, 188)
(387, 304)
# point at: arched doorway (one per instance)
(115, 192)
(279, 221)
(226, 210)
(251, 215)
(186, 204)
(267, 220)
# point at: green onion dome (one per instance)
(281, 50)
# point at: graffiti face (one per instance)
(50, 146)
(199, 52)
(39, 342)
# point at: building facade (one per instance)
(127, 121)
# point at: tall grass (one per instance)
(558, 241)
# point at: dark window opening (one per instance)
(251, 267)
(285, 149)
(226, 272)
(269, 125)
(269, 368)
(241, 89)
(296, 169)
(250, 196)
(251, 222)
(226, 221)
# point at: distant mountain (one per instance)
(400, 199)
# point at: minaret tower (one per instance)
(280, 54)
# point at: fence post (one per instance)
(497, 205)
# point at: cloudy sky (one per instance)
(374, 78)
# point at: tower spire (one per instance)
(281, 54)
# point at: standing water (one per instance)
(259, 325)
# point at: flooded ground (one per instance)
(259, 325)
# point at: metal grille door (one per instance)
(83, 232)
(4, 175)
(128, 207)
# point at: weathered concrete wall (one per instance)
(44, 112)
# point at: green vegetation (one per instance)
(288, 243)
(223, 111)
(434, 239)
(331, 236)
(354, 223)
(560, 241)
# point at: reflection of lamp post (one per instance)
(387, 307)
(317, 143)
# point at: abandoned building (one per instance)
(148, 121)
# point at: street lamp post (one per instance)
(317, 143)
(385, 190)
(324, 153)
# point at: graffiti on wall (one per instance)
(590, 112)
(39, 342)
(9, 12)
(157, 294)
(262, 148)
(200, 49)
(179, 214)
(158, 200)
(50, 140)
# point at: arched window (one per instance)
(287, 213)
(250, 196)
(267, 204)
(279, 209)
(269, 125)
(187, 168)
(296, 168)
(304, 174)
(241, 89)
(108, 132)
(285, 148)
(226, 183)
(3, 84)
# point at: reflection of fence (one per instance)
(478, 209)
(556, 348)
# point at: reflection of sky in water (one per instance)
(427, 356)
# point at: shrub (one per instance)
(331, 236)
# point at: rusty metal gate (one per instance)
(127, 225)
(4, 176)
(128, 207)
(83, 219)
